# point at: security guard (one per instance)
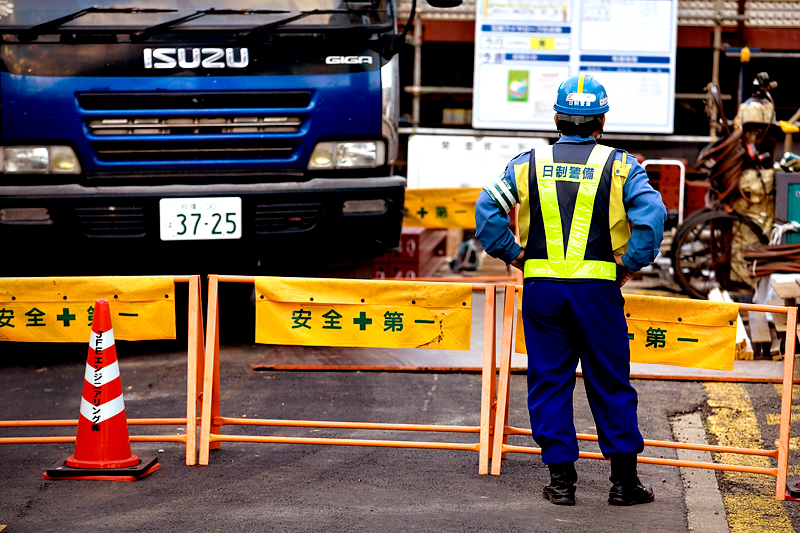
(576, 199)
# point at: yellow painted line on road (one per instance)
(794, 443)
(750, 498)
(775, 419)
(795, 394)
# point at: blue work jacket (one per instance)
(643, 208)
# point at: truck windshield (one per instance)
(166, 14)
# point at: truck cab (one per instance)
(189, 135)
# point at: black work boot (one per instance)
(561, 490)
(627, 488)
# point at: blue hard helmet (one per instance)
(581, 95)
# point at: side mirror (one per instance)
(393, 43)
(445, 3)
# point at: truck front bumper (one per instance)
(287, 228)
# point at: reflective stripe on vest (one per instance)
(617, 218)
(573, 265)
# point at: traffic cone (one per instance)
(102, 446)
(793, 491)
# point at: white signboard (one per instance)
(525, 48)
(450, 161)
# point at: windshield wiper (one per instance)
(303, 14)
(51, 25)
(159, 28)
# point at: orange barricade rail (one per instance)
(212, 420)
(194, 373)
(500, 440)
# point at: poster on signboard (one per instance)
(525, 48)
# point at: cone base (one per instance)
(133, 460)
(793, 490)
(146, 466)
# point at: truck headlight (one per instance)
(63, 160)
(40, 160)
(390, 106)
(26, 160)
(347, 154)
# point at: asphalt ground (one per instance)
(269, 487)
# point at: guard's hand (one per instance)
(624, 274)
(518, 263)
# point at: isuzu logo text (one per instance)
(196, 58)
(348, 60)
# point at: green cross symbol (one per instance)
(362, 321)
(422, 212)
(66, 317)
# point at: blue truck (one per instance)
(174, 136)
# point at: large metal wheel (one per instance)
(703, 248)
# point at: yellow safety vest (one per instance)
(572, 264)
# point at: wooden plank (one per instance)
(775, 349)
(797, 364)
(744, 348)
(787, 290)
(780, 322)
(759, 327)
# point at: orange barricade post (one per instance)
(212, 420)
(193, 395)
(500, 446)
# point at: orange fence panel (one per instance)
(500, 444)
(212, 420)
(194, 373)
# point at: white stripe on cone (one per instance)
(100, 413)
(101, 341)
(98, 378)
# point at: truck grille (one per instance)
(193, 125)
(112, 221)
(193, 151)
(195, 100)
(284, 218)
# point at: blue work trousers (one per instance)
(564, 321)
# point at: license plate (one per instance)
(200, 219)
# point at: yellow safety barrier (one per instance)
(143, 308)
(451, 209)
(355, 313)
(61, 309)
(441, 208)
(500, 444)
(672, 331)
(318, 312)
